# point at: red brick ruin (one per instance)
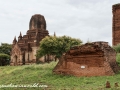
(90, 59)
(116, 24)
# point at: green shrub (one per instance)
(117, 48)
(4, 59)
(118, 58)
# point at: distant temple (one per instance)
(24, 50)
(116, 24)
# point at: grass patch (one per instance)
(42, 74)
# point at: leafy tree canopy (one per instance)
(5, 48)
(2, 55)
(4, 59)
(56, 46)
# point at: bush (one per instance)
(118, 58)
(4, 59)
(117, 48)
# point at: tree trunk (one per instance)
(48, 58)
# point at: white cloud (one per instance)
(84, 19)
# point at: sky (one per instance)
(88, 20)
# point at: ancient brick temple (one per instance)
(90, 59)
(116, 24)
(24, 50)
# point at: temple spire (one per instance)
(37, 21)
(15, 38)
(54, 34)
(14, 41)
(20, 36)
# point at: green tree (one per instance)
(5, 48)
(4, 59)
(52, 45)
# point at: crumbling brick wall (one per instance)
(91, 59)
(116, 24)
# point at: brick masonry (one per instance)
(24, 49)
(90, 59)
(116, 24)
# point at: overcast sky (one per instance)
(84, 19)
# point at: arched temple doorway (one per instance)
(23, 59)
(15, 59)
